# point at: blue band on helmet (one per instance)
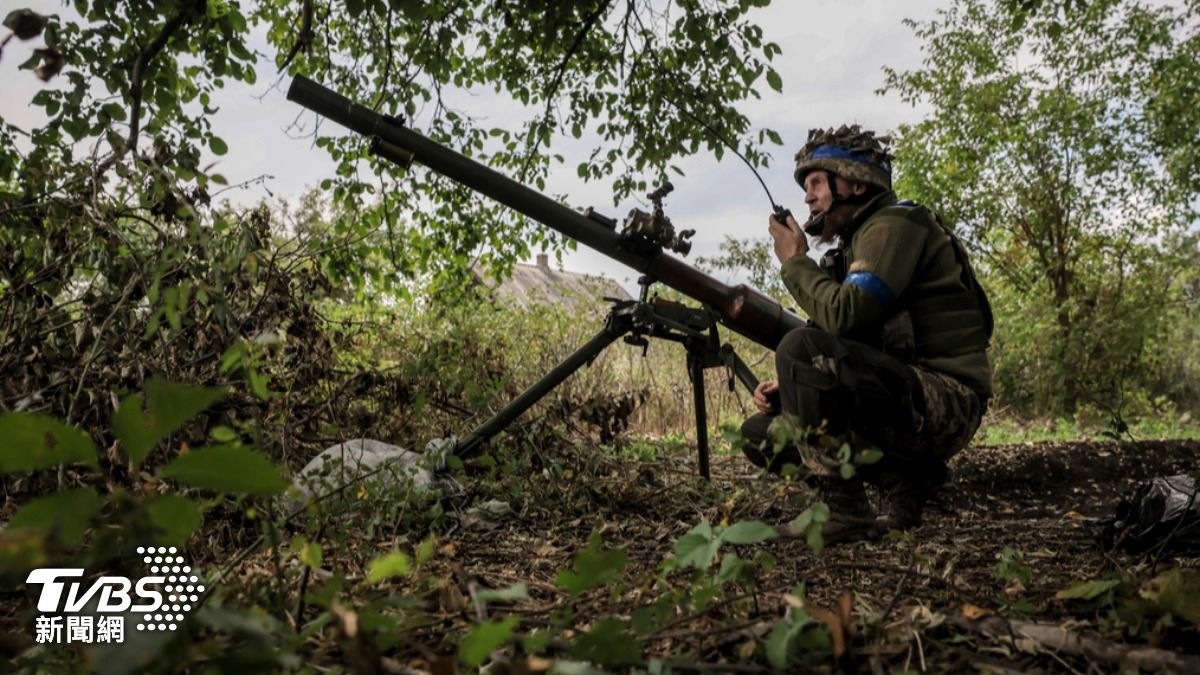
(874, 287)
(834, 152)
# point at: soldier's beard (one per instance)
(829, 224)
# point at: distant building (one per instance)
(538, 284)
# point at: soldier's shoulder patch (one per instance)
(860, 266)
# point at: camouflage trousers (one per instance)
(857, 394)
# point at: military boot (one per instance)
(851, 517)
(905, 493)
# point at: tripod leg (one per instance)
(696, 368)
(582, 356)
(740, 370)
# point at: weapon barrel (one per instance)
(741, 308)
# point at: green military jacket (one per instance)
(902, 268)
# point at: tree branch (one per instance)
(139, 70)
(560, 71)
(1061, 640)
(304, 36)
(387, 66)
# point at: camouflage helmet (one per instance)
(849, 152)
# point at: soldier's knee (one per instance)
(802, 344)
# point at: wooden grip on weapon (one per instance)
(757, 315)
(742, 308)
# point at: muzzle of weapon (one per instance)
(740, 307)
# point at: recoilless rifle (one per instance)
(642, 242)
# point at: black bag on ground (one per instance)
(1162, 514)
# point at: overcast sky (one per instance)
(831, 65)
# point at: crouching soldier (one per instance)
(895, 357)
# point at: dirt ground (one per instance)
(930, 600)
(926, 601)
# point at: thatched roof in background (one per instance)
(539, 284)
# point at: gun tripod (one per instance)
(636, 321)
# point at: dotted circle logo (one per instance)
(182, 587)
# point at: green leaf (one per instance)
(26, 24)
(64, 515)
(748, 532)
(774, 80)
(226, 468)
(820, 512)
(802, 521)
(426, 550)
(810, 521)
(518, 591)
(536, 642)
(593, 567)
(789, 636)
(169, 407)
(868, 456)
(217, 146)
(176, 517)
(258, 383)
(113, 111)
(608, 643)
(731, 567)
(779, 644)
(1012, 566)
(817, 513)
(1175, 591)
(394, 564)
(1088, 590)
(29, 442)
(697, 550)
(645, 620)
(222, 434)
(687, 545)
(483, 639)
(308, 552)
(815, 540)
